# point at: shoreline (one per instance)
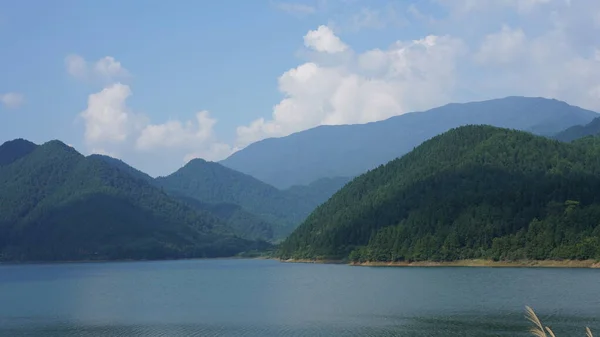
(17, 263)
(477, 263)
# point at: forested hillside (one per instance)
(472, 192)
(15, 149)
(56, 204)
(350, 150)
(210, 182)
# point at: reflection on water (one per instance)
(267, 298)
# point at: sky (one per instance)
(158, 83)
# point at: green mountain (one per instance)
(213, 183)
(56, 204)
(242, 222)
(248, 206)
(472, 192)
(579, 131)
(122, 166)
(15, 149)
(351, 150)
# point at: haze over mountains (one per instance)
(579, 131)
(56, 204)
(350, 150)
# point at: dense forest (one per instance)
(56, 204)
(471, 192)
(213, 183)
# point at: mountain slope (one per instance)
(350, 150)
(474, 191)
(320, 190)
(579, 131)
(242, 222)
(15, 149)
(56, 204)
(211, 182)
(121, 165)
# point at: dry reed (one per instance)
(539, 330)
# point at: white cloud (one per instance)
(109, 68)
(295, 8)
(502, 47)
(106, 69)
(107, 118)
(409, 75)
(12, 100)
(324, 40)
(113, 129)
(194, 136)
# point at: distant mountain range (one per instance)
(350, 150)
(56, 204)
(579, 131)
(472, 192)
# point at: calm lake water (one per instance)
(267, 298)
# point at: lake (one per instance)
(269, 298)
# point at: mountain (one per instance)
(242, 222)
(471, 192)
(15, 149)
(579, 131)
(210, 182)
(56, 204)
(350, 150)
(319, 191)
(121, 165)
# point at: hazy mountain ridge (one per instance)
(579, 131)
(350, 150)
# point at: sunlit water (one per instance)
(268, 298)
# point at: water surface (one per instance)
(268, 298)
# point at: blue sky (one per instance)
(157, 83)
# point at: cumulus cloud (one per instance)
(12, 100)
(113, 129)
(106, 69)
(195, 137)
(376, 85)
(107, 118)
(324, 40)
